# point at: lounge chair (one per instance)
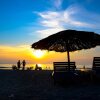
(96, 68)
(96, 64)
(62, 72)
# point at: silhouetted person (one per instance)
(23, 63)
(18, 64)
(37, 67)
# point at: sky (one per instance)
(23, 22)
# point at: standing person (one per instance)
(36, 67)
(23, 63)
(18, 64)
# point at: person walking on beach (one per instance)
(18, 64)
(23, 63)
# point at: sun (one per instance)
(39, 53)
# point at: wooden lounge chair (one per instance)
(96, 64)
(62, 72)
(96, 68)
(64, 66)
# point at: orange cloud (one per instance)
(10, 54)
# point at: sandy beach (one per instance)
(38, 85)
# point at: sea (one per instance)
(43, 66)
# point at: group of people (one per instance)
(19, 64)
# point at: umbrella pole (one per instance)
(68, 60)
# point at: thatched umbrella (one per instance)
(68, 40)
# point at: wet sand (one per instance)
(38, 85)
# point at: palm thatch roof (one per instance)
(68, 40)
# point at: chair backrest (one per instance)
(96, 63)
(64, 66)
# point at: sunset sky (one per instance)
(23, 22)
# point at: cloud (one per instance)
(58, 3)
(10, 54)
(49, 31)
(50, 19)
(74, 16)
(54, 21)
